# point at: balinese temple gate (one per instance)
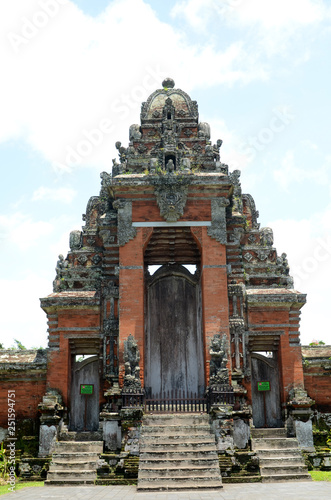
(216, 322)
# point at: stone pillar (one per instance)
(299, 418)
(51, 415)
(112, 434)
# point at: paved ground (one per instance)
(258, 491)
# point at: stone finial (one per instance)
(168, 83)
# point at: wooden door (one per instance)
(174, 348)
(265, 404)
(84, 408)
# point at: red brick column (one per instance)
(215, 308)
(131, 298)
(290, 363)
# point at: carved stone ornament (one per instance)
(217, 230)
(263, 254)
(75, 240)
(131, 363)
(125, 231)
(266, 237)
(219, 374)
(248, 256)
(171, 198)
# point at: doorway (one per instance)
(174, 345)
(265, 397)
(84, 411)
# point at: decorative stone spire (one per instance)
(168, 83)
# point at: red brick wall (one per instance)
(29, 389)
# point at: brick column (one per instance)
(215, 308)
(131, 299)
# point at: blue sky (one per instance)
(260, 72)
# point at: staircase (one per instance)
(177, 452)
(280, 457)
(74, 463)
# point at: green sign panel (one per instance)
(86, 388)
(263, 386)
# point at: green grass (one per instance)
(320, 475)
(4, 488)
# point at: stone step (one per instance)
(280, 453)
(183, 480)
(79, 446)
(72, 466)
(273, 443)
(271, 470)
(63, 474)
(181, 454)
(197, 430)
(179, 447)
(77, 457)
(176, 419)
(70, 481)
(286, 477)
(181, 472)
(85, 436)
(179, 439)
(281, 461)
(151, 463)
(268, 432)
(190, 485)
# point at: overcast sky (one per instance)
(260, 71)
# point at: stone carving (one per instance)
(125, 231)
(171, 196)
(204, 130)
(217, 230)
(134, 132)
(131, 364)
(82, 259)
(95, 208)
(283, 264)
(235, 236)
(216, 149)
(75, 240)
(61, 266)
(237, 330)
(266, 237)
(96, 259)
(252, 238)
(263, 254)
(236, 197)
(122, 151)
(250, 203)
(219, 374)
(168, 83)
(170, 166)
(248, 256)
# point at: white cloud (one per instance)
(61, 85)
(291, 172)
(64, 195)
(307, 243)
(22, 231)
(29, 326)
(273, 23)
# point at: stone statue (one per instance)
(219, 374)
(131, 364)
(134, 132)
(266, 237)
(170, 166)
